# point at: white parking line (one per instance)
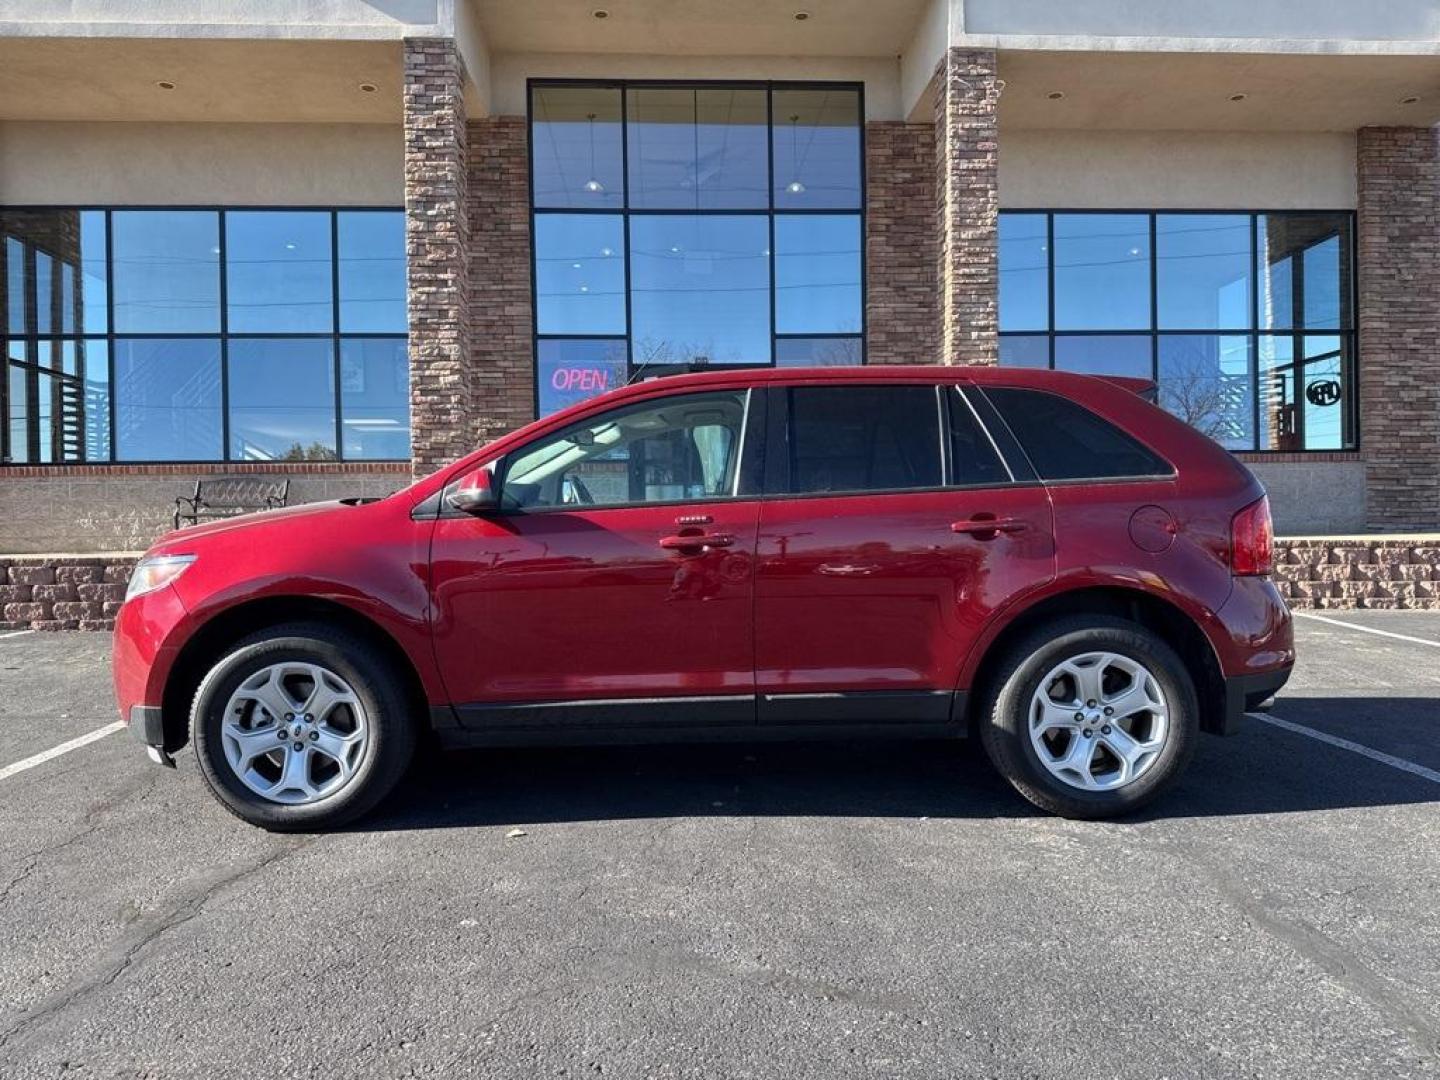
(1354, 747)
(16, 633)
(1367, 629)
(64, 748)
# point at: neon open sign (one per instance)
(585, 380)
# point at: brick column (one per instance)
(442, 403)
(968, 205)
(902, 303)
(1399, 285)
(502, 361)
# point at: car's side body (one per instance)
(577, 625)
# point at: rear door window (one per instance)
(863, 438)
(1066, 441)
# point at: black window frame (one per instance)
(1254, 333)
(33, 340)
(625, 212)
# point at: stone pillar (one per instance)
(902, 303)
(968, 205)
(502, 360)
(442, 399)
(1399, 286)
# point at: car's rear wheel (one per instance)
(1090, 716)
(302, 727)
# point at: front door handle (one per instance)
(698, 541)
(981, 524)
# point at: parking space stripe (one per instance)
(64, 748)
(16, 633)
(1354, 747)
(1367, 629)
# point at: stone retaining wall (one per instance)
(83, 592)
(62, 592)
(1359, 572)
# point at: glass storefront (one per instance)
(683, 225)
(1244, 320)
(203, 335)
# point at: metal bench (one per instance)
(226, 496)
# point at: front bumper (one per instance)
(148, 727)
(1244, 693)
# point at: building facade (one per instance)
(347, 242)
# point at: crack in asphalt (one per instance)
(1318, 948)
(129, 795)
(121, 955)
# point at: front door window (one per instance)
(675, 449)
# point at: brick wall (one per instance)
(442, 396)
(902, 316)
(502, 365)
(968, 205)
(1368, 572)
(1399, 279)
(87, 508)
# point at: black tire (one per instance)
(1005, 703)
(379, 689)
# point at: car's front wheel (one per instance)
(1090, 716)
(302, 727)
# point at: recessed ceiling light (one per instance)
(1410, 99)
(368, 88)
(1238, 97)
(599, 13)
(801, 16)
(165, 84)
(1055, 95)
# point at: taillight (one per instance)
(1252, 539)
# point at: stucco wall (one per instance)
(252, 18)
(1177, 170)
(126, 513)
(198, 164)
(1282, 23)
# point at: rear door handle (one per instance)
(981, 524)
(701, 541)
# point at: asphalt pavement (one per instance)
(842, 910)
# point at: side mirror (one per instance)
(476, 492)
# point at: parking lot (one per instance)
(737, 911)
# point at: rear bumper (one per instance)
(1246, 692)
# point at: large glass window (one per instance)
(700, 289)
(203, 335)
(680, 225)
(1244, 320)
(696, 148)
(168, 399)
(166, 271)
(278, 272)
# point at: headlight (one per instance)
(155, 573)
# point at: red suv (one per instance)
(1045, 560)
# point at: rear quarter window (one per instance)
(1066, 441)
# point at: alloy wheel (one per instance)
(294, 733)
(1098, 721)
